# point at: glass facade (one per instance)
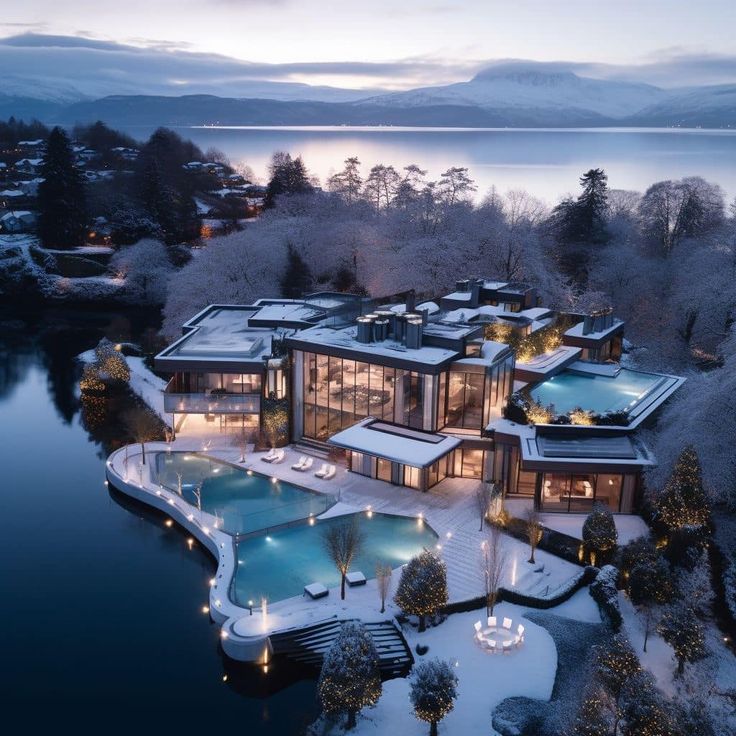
(338, 392)
(577, 493)
(232, 383)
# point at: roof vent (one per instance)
(380, 330)
(414, 332)
(365, 329)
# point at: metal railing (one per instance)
(201, 403)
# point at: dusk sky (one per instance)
(388, 44)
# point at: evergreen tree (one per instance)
(591, 720)
(644, 712)
(348, 182)
(683, 502)
(62, 221)
(422, 587)
(350, 678)
(288, 176)
(297, 278)
(591, 207)
(616, 663)
(599, 535)
(680, 627)
(650, 583)
(433, 692)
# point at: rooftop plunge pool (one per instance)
(279, 565)
(630, 391)
(244, 501)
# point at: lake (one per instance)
(101, 623)
(545, 162)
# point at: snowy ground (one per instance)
(484, 679)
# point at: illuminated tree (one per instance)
(644, 712)
(350, 679)
(590, 719)
(533, 531)
(433, 692)
(342, 542)
(616, 663)
(683, 502)
(599, 535)
(383, 578)
(492, 564)
(680, 627)
(650, 583)
(483, 494)
(422, 587)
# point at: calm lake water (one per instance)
(101, 624)
(547, 163)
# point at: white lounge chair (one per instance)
(507, 624)
(478, 626)
(307, 464)
(330, 474)
(300, 463)
(491, 622)
(507, 647)
(280, 455)
(269, 456)
(356, 578)
(322, 472)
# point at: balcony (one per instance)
(210, 403)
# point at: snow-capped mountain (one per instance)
(524, 85)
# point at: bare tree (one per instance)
(383, 577)
(342, 542)
(143, 427)
(533, 530)
(492, 563)
(483, 495)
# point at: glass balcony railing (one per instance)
(201, 403)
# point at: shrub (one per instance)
(422, 587)
(604, 592)
(599, 535)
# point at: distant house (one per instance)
(20, 221)
(29, 165)
(30, 187)
(193, 166)
(38, 145)
(11, 197)
(127, 154)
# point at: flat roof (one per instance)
(577, 331)
(396, 443)
(609, 449)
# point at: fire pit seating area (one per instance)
(501, 639)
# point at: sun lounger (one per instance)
(491, 622)
(322, 472)
(280, 455)
(331, 472)
(507, 624)
(300, 464)
(269, 457)
(307, 464)
(355, 578)
(315, 591)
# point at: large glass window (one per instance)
(577, 493)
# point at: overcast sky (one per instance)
(405, 43)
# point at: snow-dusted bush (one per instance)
(599, 534)
(604, 591)
(350, 679)
(422, 589)
(145, 268)
(433, 691)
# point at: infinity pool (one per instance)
(280, 565)
(244, 503)
(568, 390)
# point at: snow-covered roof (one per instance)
(585, 448)
(17, 215)
(577, 331)
(396, 443)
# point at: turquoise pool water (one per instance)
(280, 565)
(245, 503)
(600, 394)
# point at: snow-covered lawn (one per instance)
(484, 679)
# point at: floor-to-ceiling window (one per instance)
(576, 493)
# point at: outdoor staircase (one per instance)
(309, 644)
(305, 446)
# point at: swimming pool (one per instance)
(245, 503)
(280, 565)
(600, 394)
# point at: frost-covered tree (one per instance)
(534, 530)
(145, 267)
(650, 584)
(347, 183)
(599, 535)
(422, 588)
(142, 426)
(492, 566)
(615, 664)
(297, 278)
(591, 718)
(433, 692)
(350, 679)
(680, 627)
(288, 176)
(604, 592)
(645, 712)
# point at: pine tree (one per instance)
(644, 712)
(683, 502)
(297, 278)
(61, 197)
(590, 720)
(591, 206)
(288, 176)
(599, 535)
(433, 692)
(422, 587)
(680, 627)
(350, 679)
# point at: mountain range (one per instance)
(510, 94)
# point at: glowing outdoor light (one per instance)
(449, 535)
(250, 472)
(205, 609)
(439, 547)
(268, 539)
(213, 582)
(274, 480)
(264, 613)
(169, 523)
(190, 542)
(223, 634)
(250, 607)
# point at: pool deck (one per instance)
(449, 508)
